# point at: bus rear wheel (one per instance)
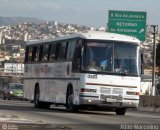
(120, 111)
(39, 104)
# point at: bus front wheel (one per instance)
(120, 111)
(36, 100)
(4, 96)
(69, 101)
(40, 104)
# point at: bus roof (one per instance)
(92, 35)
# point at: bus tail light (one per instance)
(132, 93)
(88, 90)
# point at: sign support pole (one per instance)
(154, 58)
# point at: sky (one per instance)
(93, 13)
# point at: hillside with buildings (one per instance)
(14, 37)
(6, 21)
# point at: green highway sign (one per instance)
(128, 22)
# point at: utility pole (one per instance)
(154, 32)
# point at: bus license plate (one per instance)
(110, 100)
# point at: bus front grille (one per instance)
(117, 91)
(111, 91)
(105, 90)
(117, 98)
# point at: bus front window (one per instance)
(111, 58)
(97, 57)
(125, 59)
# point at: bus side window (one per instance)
(26, 54)
(34, 53)
(62, 50)
(30, 54)
(76, 64)
(71, 49)
(45, 52)
(37, 53)
(52, 52)
(41, 53)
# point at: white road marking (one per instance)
(79, 115)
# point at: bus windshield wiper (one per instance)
(122, 72)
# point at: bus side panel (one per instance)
(53, 80)
(28, 89)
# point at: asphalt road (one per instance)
(23, 115)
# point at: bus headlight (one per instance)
(88, 90)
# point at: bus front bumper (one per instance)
(96, 101)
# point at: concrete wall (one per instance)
(146, 84)
(146, 87)
(149, 103)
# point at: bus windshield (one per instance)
(114, 58)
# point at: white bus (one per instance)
(84, 70)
